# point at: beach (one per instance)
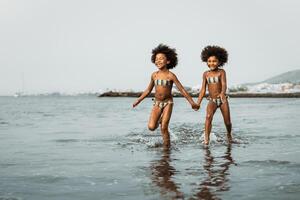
(87, 147)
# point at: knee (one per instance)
(151, 127)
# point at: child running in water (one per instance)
(215, 80)
(165, 58)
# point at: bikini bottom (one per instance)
(217, 100)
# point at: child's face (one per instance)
(212, 62)
(161, 60)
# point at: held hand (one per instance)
(195, 106)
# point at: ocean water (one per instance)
(100, 148)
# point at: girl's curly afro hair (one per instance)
(168, 52)
(217, 51)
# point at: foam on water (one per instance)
(146, 138)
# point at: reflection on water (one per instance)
(213, 181)
(162, 173)
(216, 169)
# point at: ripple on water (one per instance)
(48, 115)
(271, 163)
(281, 137)
(66, 132)
(290, 188)
(4, 165)
(9, 198)
(66, 140)
(3, 123)
(92, 141)
(44, 179)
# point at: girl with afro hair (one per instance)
(165, 58)
(214, 80)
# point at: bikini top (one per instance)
(162, 82)
(213, 79)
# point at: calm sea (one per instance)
(100, 148)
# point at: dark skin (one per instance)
(163, 93)
(215, 90)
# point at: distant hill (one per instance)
(287, 77)
(287, 82)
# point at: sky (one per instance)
(73, 46)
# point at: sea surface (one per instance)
(100, 148)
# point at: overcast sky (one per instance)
(88, 46)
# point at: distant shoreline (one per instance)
(233, 95)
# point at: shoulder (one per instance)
(172, 76)
(153, 75)
(205, 73)
(222, 72)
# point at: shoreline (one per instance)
(231, 95)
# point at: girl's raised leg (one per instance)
(154, 118)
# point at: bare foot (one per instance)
(229, 138)
(206, 140)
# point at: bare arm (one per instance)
(145, 93)
(182, 90)
(203, 89)
(224, 86)
(224, 83)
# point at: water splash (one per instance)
(180, 134)
(213, 138)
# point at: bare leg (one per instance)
(210, 111)
(226, 116)
(166, 116)
(154, 118)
